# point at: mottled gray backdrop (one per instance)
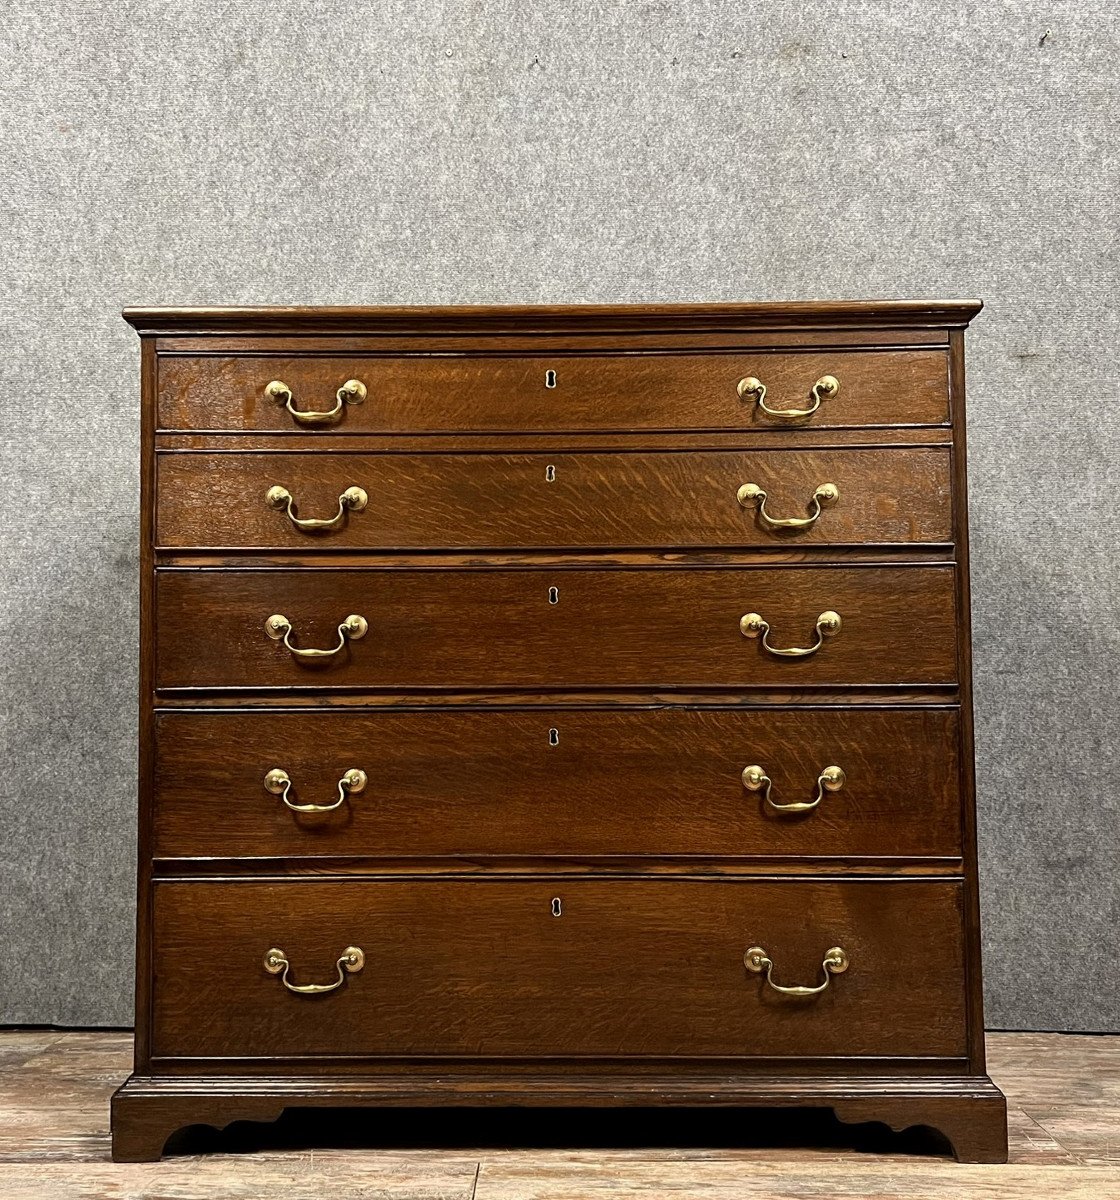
(341, 151)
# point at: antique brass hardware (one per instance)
(755, 779)
(353, 391)
(752, 625)
(279, 783)
(279, 627)
(354, 499)
(825, 387)
(835, 963)
(751, 493)
(352, 960)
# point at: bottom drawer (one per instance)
(560, 967)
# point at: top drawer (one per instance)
(555, 394)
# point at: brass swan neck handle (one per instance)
(350, 962)
(755, 779)
(354, 499)
(824, 495)
(278, 627)
(279, 783)
(752, 625)
(825, 388)
(835, 963)
(353, 391)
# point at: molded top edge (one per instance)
(541, 318)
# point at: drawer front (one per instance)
(534, 783)
(628, 969)
(553, 501)
(556, 629)
(625, 392)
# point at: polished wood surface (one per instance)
(1063, 1113)
(471, 394)
(486, 968)
(583, 783)
(500, 628)
(810, 317)
(554, 568)
(557, 500)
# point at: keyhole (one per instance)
(550, 474)
(553, 595)
(554, 737)
(557, 907)
(550, 379)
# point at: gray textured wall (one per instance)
(233, 151)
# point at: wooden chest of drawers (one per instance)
(557, 706)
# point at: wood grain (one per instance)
(1064, 1111)
(485, 968)
(613, 319)
(600, 590)
(498, 628)
(471, 394)
(553, 500)
(478, 785)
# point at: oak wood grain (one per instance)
(551, 500)
(589, 783)
(484, 968)
(469, 394)
(500, 628)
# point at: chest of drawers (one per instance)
(556, 706)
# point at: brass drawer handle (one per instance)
(752, 625)
(278, 626)
(835, 963)
(825, 387)
(279, 783)
(751, 493)
(755, 779)
(354, 499)
(353, 959)
(353, 391)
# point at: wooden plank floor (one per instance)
(1063, 1095)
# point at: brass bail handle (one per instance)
(835, 963)
(353, 391)
(354, 499)
(279, 783)
(825, 388)
(278, 627)
(350, 962)
(751, 493)
(755, 779)
(752, 625)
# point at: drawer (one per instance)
(555, 629)
(547, 501)
(558, 393)
(627, 969)
(477, 784)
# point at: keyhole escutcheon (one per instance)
(550, 474)
(550, 379)
(554, 595)
(557, 907)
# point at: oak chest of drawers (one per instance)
(557, 706)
